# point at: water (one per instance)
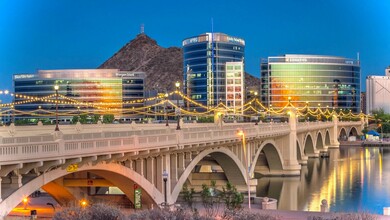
(352, 179)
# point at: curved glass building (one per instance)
(326, 81)
(206, 58)
(109, 86)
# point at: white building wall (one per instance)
(387, 71)
(378, 93)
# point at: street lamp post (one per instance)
(255, 109)
(56, 87)
(246, 156)
(177, 84)
(165, 178)
(381, 135)
(165, 109)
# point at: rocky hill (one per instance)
(162, 66)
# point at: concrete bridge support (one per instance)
(290, 159)
(334, 143)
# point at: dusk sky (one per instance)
(70, 34)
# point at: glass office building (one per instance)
(325, 81)
(205, 57)
(107, 88)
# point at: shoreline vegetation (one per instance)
(107, 212)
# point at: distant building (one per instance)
(387, 71)
(378, 93)
(106, 88)
(363, 103)
(325, 81)
(205, 59)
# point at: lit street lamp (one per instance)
(177, 84)
(25, 202)
(165, 178)
(246, 157)
(83, 203)
(381, 126)
(56, 87)
(165, 109)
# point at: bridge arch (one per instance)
(353, 132)
(319, 141)
(124, 176)
(225, 158)
(309, 145)
(327, 138)
(343, 134)
(272, 155)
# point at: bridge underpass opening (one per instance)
(353, 132)
(319, 142)
(120, 176)
(217, 167)
(327, 138)
(268, 162)
(343, 135)
(309, 147)
(90, 186)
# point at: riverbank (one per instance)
(45, 211)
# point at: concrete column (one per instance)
(291, 165)
(1, 198)
(173, 169)
(188, 158)
(181, 164)
(139, 167)
(159, 171)
(16, 181)
(150, 171)
(334, 143)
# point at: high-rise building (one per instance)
(325, 81)
(378, 93)
(108, 88)
(205, 59)
(363, 102)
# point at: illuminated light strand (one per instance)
(115, 107)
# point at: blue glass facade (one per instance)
(204, 59)
(325, 81)
(108, 87)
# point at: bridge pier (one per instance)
(334, 143)
(150, 169)
(16, 181)
(1, 197)
(291, 165)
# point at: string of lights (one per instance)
(251, 108)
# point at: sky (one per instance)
(71, 34)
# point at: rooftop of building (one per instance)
(215, 37)
(310, 58)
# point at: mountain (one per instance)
(162, 66)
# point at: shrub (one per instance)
(98, 211)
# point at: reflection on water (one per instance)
(351, 179)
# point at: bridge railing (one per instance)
(30, 144)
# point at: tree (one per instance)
(232, 199)
(210, 199)
(95, 118)
(188, 195)
(83, 118)
(108, 118)
(75, 119)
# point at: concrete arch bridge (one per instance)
(83, 161)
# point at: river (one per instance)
(352, 179)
